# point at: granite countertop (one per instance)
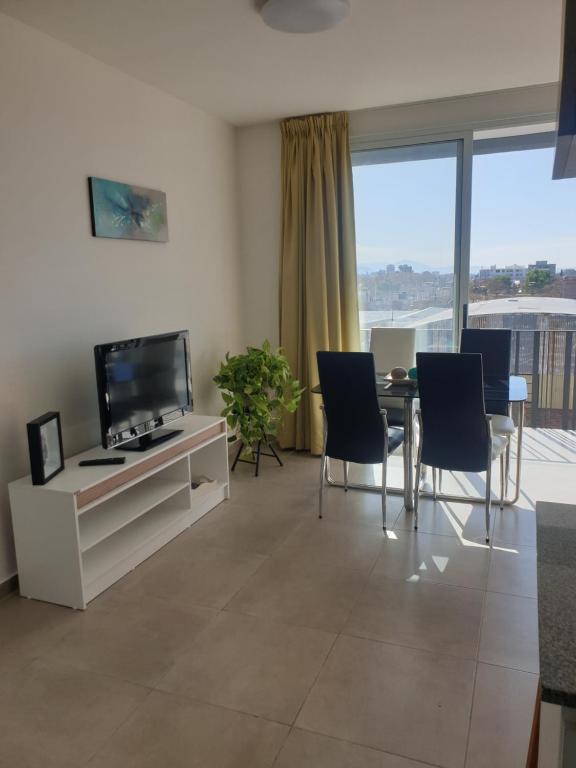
(556, 549)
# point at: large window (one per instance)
(405, 202)
(421, 264)
(523, 242)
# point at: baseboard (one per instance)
(8, 586)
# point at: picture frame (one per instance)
(126, 212)
(45, 447)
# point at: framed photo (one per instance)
(45, 446)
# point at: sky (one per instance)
(405, 212)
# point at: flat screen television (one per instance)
(143, 384)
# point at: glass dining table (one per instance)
(511, 394)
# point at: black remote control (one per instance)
(101, 462)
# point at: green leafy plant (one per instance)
(257, 388)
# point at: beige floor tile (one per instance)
(56, 716)
(350, 546)
(434, 617)
(290, 491)
(418, 556)
(310, 750)
(250, 528)
(465, 521)
(170, 731)
(501, 718)
(513, 571)
(135, 641)
(312, 595)
(283, 485)
(28, 628)
(509, 636)
(359, 507)
(252, 665)
(189, 573)
(515, 527)
(404, 701)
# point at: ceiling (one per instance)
(220, 56)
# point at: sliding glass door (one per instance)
(523, 267)
(409, 233)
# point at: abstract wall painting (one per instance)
(127, 212)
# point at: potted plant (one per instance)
(257, 388)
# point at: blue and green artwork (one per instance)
(127, 212)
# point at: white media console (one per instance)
(89, 526)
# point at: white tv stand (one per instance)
(89, 526)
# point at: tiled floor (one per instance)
(264, 637)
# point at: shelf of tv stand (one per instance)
(100, 562)
(101, 522)
(81, 532)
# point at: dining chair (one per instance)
(393, 347)
(355, 427)
(455, 431)
(495, 346)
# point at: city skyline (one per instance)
(519, 215)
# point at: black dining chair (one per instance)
(455, 431)
(495, 346)
(355, 427)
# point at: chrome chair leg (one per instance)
(417, 491)
(488, 492)
(323, 464)
(434, 483)
(508, 450)
(322, 475)
(418, 471)
(502, 481)
(384, 466)
(439, 481)
(346, 463)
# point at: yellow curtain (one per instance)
(318, 296)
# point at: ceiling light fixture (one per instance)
(304, 16)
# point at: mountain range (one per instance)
(417, 266)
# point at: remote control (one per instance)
(101, 462)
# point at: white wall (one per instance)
(63, 117)
(259, 175)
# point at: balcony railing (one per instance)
(547, 359)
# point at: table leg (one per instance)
(519, 453)
(408, 450)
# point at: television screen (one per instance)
(143, 383)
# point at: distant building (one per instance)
(404, 268)
(390, 268)
(514, 272)
(544, 265)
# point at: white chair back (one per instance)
(393, 347)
